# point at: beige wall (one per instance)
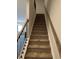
(54, 10)
(52, 41)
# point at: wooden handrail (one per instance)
(55, 34)
(18, 36)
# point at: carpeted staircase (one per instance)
(39, 47)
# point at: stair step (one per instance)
(39, 50)
(39, 37)
(42, 35)
(39, 25)
(37, 28)
(39, 40)
(40, 55)
(43, 27)
(39, 46)
(36, 58)
(39, 33)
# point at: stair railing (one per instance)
(22, 38)
(19, 34)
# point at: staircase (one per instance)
(39, 47)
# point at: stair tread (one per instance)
(40, 35)
(39, 27)
(36, 58)
(39, 49)
(39, 46)
(40, 54)
(40, 30)
(36, 33)
(38, 40)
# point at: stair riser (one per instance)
(39, 40)
(39, 37)
(46, 50)
(36, 58)
(38, 43)
(40, 31)
(40, 24)
(40, 28)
